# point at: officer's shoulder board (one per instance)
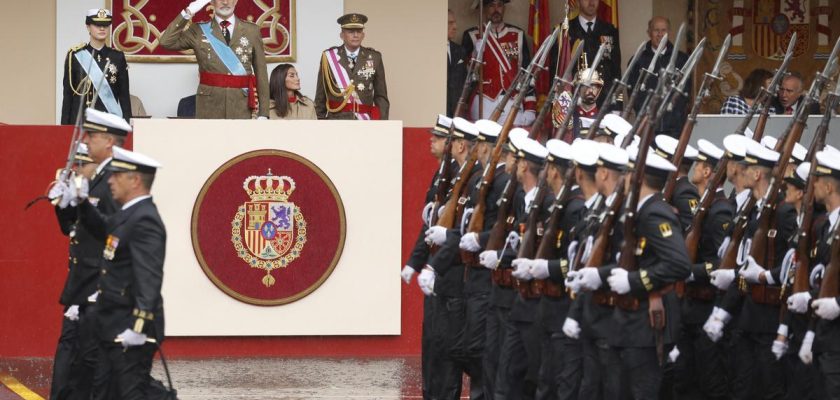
(77, 47)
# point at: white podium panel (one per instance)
(364, 162)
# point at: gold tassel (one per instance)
(268, 280)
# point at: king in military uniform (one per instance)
(233, 80)
(351, 80)
(85, 73)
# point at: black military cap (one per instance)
(352, 21)
(98, 16)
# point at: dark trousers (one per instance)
(700, 371)
(758, 375)
(519, 362)
(86, 358)
(829, 367)
(427, 347)
(602, 378)
(800, 379)
(64, 353)
(561, 367)
(641, 371)
(128, 370)
(440, 379)
(496, 325)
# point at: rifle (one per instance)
(445, 169)
(739, 223)
(691, 121)
(477, 219)
(613, 95)
(481, 68)
(644, 74)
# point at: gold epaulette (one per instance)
(77, 47)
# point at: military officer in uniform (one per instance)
(85, 73)
(233, 77)
(129, 305)
(685, 195)
(77, 350)
(351, 77)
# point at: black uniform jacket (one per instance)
(456, 74)
(86, 246)
(74, 75)
(672, 122)
(662, 260)
(602, 32)
(420, 251)
(684, 199)
(132, 272)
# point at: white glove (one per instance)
(72, 313)
(426, 281)
(673, 355)
(521, 269)
(197, 6)
(751, 270)
(513, 240)
(406, 273)
(723, 246)
(68, 196)
(58, 190)
(469, 242)
(826, 308)
(573, 283)
(722, 278)
(589, 278)
(539, 269)
(805, 353)
(130, 338)
(798, 302)
(262, 117)
(619, 281)
(436, 235)
(571, 328)
(780, 346)
(714, 325)
(489, 259)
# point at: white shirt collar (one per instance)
(643, 201)
(583, 22)
(232, 21)
(832, 217)
(102, 165)
(351, 53)
(591, 200)
(741, 198)
(529, 197)
(135, 200)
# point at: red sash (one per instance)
(233, 81)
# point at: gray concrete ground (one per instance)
(261, 378)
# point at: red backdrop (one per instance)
(33, 260)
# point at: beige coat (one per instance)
(218, 102)
(301, 109)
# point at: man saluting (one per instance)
(231, 61)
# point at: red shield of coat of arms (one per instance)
(251, 227)
(774, 22)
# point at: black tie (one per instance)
(589, 27)
(226, 31)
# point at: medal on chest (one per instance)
(368, 70)
(111, 244)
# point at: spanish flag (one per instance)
(539, 27)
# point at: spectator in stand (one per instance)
(791, 93)
(740, 104)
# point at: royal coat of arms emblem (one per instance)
(269, 231)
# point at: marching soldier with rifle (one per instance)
(685, 196)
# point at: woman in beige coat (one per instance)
(286, 100)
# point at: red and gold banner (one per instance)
(268, 227)
(138, 25)
(761, 31)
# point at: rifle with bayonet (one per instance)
(691, 121)
(616, 89)
(477, 219)
(522, 80)
(641, 82)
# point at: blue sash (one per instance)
(95, 74)
(224, 52)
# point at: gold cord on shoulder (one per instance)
(330, 86)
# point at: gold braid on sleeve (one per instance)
(331, 87)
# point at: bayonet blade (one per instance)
(595, 64)
(680, 36)
(567, 75)
(723, 50)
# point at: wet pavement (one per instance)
(260, 378)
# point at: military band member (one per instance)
(351, 77)
(233, 77)
(507, 51)
(129, 305)
(685, 196)
(84, 73)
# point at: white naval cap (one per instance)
(708, 152)
(799, 151)
(736, 146)
(442, 126)
(464, 129)
(612, 157)
(658, 165)
(831, 149)
(666, 146)
(828, 164)
(100, 121)
(82, 153)
(614, 125)
(748, 133)
(488, 131)
(619, 140)
(585, 153)
(98, 16)
(130, 161)
(756, 154)
(515, 137)
(559, 152)
(799, 176)
(531, 150)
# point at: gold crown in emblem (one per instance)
(269, 187)
(102, 13)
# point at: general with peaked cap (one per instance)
(233, 77)
(94, 66)
(685, 195)
(351, 77)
